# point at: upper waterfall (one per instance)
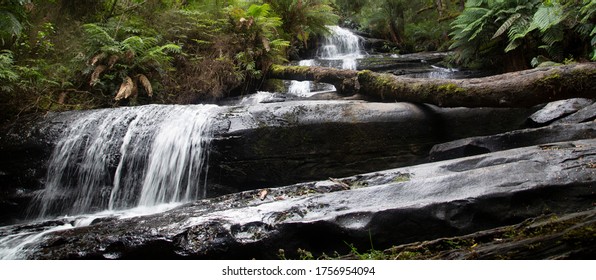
(341, 44)
(339, 49)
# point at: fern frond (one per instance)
(97, 36)
(96, 58)
(553, 35)
(548, 16)
(9, 25)
(513, 45)
(96, 73)
(146, 84)
(126, 89)
(506, 25)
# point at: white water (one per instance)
(341, 45)
(158, 152)
(437, 73)
(340, 49)
(14, 245)
(119, 163)
(301, 88)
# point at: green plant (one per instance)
(13, 14)
(304, 18)
(386, 17)
(499, 28)
(131, 60)
(257, 28)
(8, 74)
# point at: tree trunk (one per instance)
(516, 89)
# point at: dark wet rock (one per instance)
(274, 144)
(378, 45)
(279, 144)
(583, 115)
(558, 109)
(514, 139)
(406, 64)
(392, 207)
(568, 236)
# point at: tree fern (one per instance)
(118, 60)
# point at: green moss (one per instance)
(449, 89)
(401, 178)
(550, 78)
(408, 255)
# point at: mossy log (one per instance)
(516, 89)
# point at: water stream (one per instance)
(133, 161)
(121, 162)
(128, 157)
(340, 49)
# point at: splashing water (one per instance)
(128, 157)
(301, 88)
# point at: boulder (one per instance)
(558, 109)
(514, 139)
(386, 208)
(583, 115)
(272, 144)
(567, 236)
(284, 143)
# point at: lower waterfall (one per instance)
(122, 158)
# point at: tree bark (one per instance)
(517, 89)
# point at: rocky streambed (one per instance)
(282, 177)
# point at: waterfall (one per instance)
(128, 157)
(340, 49)
(301, 88)
(343, 45)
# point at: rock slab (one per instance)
(396, 206)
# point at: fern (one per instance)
(8, 74)
(10, 26)
(97, 36)
(134, 56)
(548, 16)
(506, 25)
(553, 35)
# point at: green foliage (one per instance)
(386, 16)
(259, 29)
(111, 60)
(539, 27)
(587, 24)
(12, 18)
(304, 18)
(8, 74)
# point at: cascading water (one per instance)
(340, 49)
(128, 157)
(341, 45)
(301, 88)
(122, 162)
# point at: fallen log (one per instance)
(517, 89)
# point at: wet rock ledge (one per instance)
(392, 207)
